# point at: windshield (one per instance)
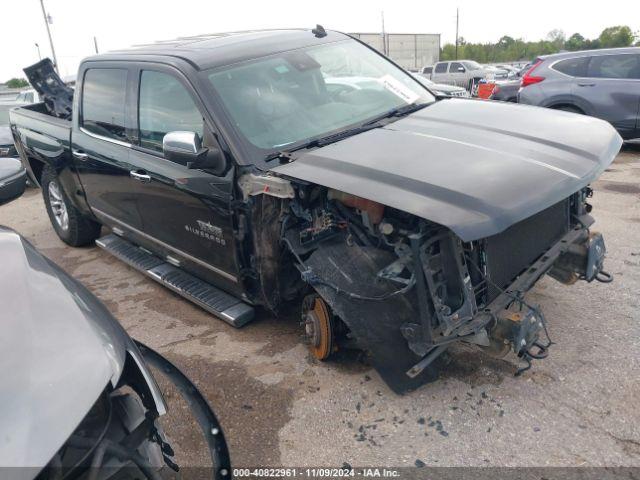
(471, 65)
(278, 101)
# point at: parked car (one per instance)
(506, 91)
(496, 73)
(512, 71)
(76, 391)
(13, 179)
(600, 83)
(441, 88)
(465, 73)
(7, 148)
(400, 222)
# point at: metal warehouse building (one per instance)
(409, 50)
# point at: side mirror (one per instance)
(181, 147)
(13, 179)
(186, 149)
(461, 69)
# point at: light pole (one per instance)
(384, 36)
(47, 20)
(39, 55)
(457, 22)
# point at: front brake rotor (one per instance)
(318, 326)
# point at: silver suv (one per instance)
(465, 73)
(601, 83)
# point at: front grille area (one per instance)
(514, 250)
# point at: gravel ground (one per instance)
(278, 407)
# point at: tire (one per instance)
(472, 86)
(71, 226)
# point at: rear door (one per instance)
(611, 87)
(457, 74)
(101, 144)
(439, 74)
(186, 213)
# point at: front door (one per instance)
(100, 146)
(185, 212)
(611, 88)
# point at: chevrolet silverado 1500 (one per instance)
(232, 170)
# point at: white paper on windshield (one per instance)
(398, 88)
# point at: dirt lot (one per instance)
(279, 407)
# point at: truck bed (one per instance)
(40, 137)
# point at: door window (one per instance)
(441, 68)
(574, 67)
(103, 102)
(614, 66)
(165, 106)
(455, 66)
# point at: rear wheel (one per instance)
(473, 87)
(71, 226)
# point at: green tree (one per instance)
(17, 83)
(575, 42)
(557, 38)
(618, 36)
(509, 49)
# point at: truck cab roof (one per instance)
(209, 51)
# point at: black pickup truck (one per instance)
(254, 169)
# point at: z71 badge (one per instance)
(208, 231)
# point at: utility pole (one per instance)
(39, 56)
(457, 23)
(47, 20)
(384, 39)
(95, 44)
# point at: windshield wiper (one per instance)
(322, 141)
(400, 111)
(369, 125)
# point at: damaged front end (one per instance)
(404, 289)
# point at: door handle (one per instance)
(140, 176)
(79, 154)
(586, 84)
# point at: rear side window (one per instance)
(454, 67)
(103, 102)
(441, 68)
(165, 106)
(614, 66)
(574, 67)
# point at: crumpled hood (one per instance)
(59, 349)
(476, 167)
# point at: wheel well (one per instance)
(36, 167)
(570, 106)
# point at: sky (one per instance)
(119, 24)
